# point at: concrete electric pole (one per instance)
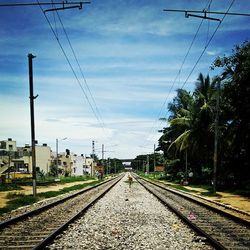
(32, 119)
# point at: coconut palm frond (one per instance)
(184, 112)
(183, 121)
(181, 142)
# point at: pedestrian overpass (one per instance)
(126, 160)
(127, 167)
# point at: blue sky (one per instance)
(130, 53)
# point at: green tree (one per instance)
(235, 114)
(112, 165)
(191, 122)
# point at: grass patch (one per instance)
(14, 195)
(48, 180)
(207, 187)
(210, 194)
(9, 187)
(19, 199)
(182, 188)
(50, 194)
(18, 202)
(75, 178)
(245, 193)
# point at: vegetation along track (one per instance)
(222, 230)
(35, 229)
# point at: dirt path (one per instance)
(40, 189)
(237, 201)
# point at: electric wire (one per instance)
(54, 17)
(208, 22)
(174, 82)
(70, 65)
(207, 44)
(178, 74)
(80, 69)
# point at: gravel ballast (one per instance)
(129, 218)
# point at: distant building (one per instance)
(15, 159)
(8, 150)
(65, 164)
(24, 161)
(82, 165)
(19, 159)
(8, 145)
(43, 157)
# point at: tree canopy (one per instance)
(191, 124)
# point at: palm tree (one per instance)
(193, 122)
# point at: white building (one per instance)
(82, 165)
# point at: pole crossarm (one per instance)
(203, 17)
(206, 12)
(65, 5)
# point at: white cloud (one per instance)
(130, 53)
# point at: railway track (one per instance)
(221, 229)
(35, 229)
(129, 217)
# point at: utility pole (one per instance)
(102, 152)
(154, 158)
(93, 148)
(56, 157)
(93, 155)
(108, 166)
(147, 164)
(32, 119)
(143, 167)
(186, 169)
(216, 136)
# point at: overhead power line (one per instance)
(207, 44)
(71, 66)
(179, 72)
(81, 71)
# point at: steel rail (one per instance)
(55, 228)
(215, 209)
(52, 236)
(47, 206)
(198, 228)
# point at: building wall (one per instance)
(43, 158)
(8, 145)
(65, 164)
(81, 165)
(8, 151)
(20, 159)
